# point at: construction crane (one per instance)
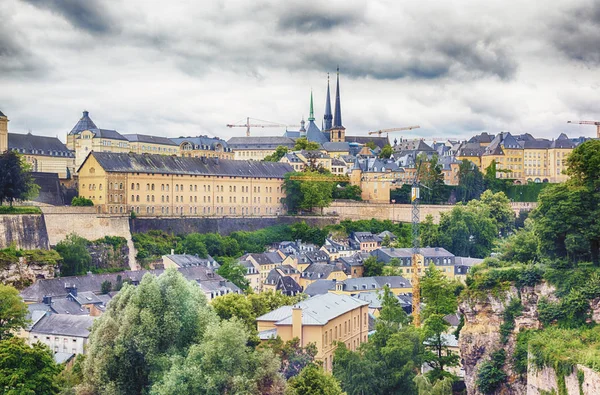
(249, 125)
(416, 283)
(379, 132)
(596, 123)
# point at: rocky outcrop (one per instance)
(107, 256)
(21, 274)
(481, 335)
(25, 231)
(583, 381)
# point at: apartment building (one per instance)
(160, 185)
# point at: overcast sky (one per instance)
(191, 67)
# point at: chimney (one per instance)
(172, 251)
(222, 283)
(297, 323)
(47, 300)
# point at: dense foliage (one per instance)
(470, 182)
(277, 155)
(75, 256)
(491, 375)
(13, 312)
(81, 201)
(16, 182)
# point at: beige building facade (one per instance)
(159, 185)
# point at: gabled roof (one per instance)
(185, 260)
(562, 142)
(363, 237)
(336, 147)
(144, 138)
(503, 140)
(483, 138)
(318, 310)
(319, 270)
(85, 123)
(2, 114)
(64, 325)
(37, 145)
(288, 285)
(260, 142)
(375, 283)
(107, 134)
(166, 164)
(536, 144)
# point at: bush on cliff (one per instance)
(81, 201)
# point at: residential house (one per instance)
(318, 271)
(62, 333)
(184, 260)
(364, 241)
(398, 285)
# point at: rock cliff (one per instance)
(21, 274)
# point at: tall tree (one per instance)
(233, 271)
(498, 208)
(16, 182)
(27, 370)
(431, 177)
(143, 330)
(75, 257)
(470, 181)
(13, 312)
(467, 231)
(303, 144)
(373, 267)
(313, 380)
(428, 232)
(386, 152)
(439, 300)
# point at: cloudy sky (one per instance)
(455, 67)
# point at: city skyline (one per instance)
(455, 69)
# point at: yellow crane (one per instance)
(249, 125)
(596, 123)
(379, 132)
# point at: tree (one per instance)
(313, 380)
(428, 232)
(499, 209)
(13, 312)
(293, 356)
(16, 182)
(371, 145)
(233, 271)
(27, 370)
(431, 177)
(223, 364)
(303, 144)
(81, 201)
(373, 267)
(309, 234)
(467, 231)
(386, 152)
(144, 330)
(75, 257)
(427, 387)
(350, 192)
(386, 241)
(193, 244)
(277, 155)
(439, 298)
(520, 247)
(491, 182)
(105, 287)
(470, 181)
(315, 194)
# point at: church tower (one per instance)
(337, 133)
(328, 118)
(3, 132)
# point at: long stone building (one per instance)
(161, 185)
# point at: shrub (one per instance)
(490, 375)
(511, 311)
(81, 201)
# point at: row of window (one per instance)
(193, 210)
(335, 333)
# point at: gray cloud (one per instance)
(308, 20)
(577, 33)
(16, 60)
(88, 15)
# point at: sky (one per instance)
(187, 68)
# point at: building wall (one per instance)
(251, 154)
(59, 343)
(179, 195)
(535, 165)
(3, 134)
(52, 164)
(557, 164)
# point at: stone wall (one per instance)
(223, 226)
(545, 381)
(396, 212)
(27, 231)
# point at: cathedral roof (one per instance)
(313, 133)
(85, 123)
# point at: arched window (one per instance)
(132, 185)
(121, 186)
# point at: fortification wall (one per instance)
(396, 212)
(223, 226)
(27, 231)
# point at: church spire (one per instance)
(311, 116)
(337, 121)
(328, 117)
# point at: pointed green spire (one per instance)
(311, 116)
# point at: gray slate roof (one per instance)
(211, 142)
(144, 138)
(313, 133)
(339, 147)
(375, 283)
(85, 123)
(563, 142)
(318, 310)
(37, 145)
(482, 138)
(2, 114)
(185, 260)
(64, 325)
(260, 142)
(107, 134)
(379, 141)
(165, 164)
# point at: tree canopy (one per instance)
(16, 182)
(313, 380)
(13, 312)
(303, 144)
(75, 257)
(470, 181)
(277, 155)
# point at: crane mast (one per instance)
(416, 284)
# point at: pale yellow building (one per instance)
(507, 152)
(161, 185)
(322, 320)
(558, 152)
(257, 147)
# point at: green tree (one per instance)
(427, 387)
(223, 364)
(490, 375)
(498, 208)
(470, 181)
(16, 182)
(373, 267)
(82, 201)
(491, 182)
(386, 152)
(233, 271)
(316, 194)
(350, 192)
(313, 380)
(431, 177)
(386, 241)
(143, 330)
(371, 145)
(13, 312)
(521, 246)
(303, 144)
(308, 234)
(439, 300)
(277, 155)
(27, 370)
(193, 244)
(105, 287)
(75, 257)
(293, 356)
(467, 231)
(567, 217)
(428, 232)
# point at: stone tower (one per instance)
(337, 133)
(3, 132)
